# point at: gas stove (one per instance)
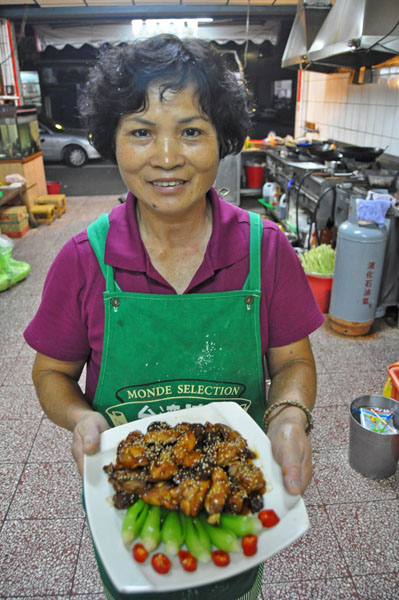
(321, 193)
(326, 188)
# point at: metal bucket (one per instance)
(374, 455)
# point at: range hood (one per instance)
(357, 33)
(309, 18)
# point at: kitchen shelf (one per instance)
(250, 191)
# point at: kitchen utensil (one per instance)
(323, 151)
(361, 153)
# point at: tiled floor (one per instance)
(351, 550)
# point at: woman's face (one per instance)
(168, 154)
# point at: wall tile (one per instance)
(370, 118)
(394, 147)
(356, 120)
(392, 96)
(348, 116)
(360, 139)
(381, 92)
(341, 115)
(368, 139)
(379, 119)
(377, 140)
(395, 127)
(364, 115)
(386, 142)
(389, 114)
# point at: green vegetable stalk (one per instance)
(319, 260)
(197, 539)
(221, 537)
(172, 533)
(151, 530)
(241, 524)
(133, 521)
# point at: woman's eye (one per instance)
(192, 132)
(140, 133)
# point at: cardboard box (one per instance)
(13, 214)
(15, 229)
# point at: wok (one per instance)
(321, 151)
(326, 155)
(361, 154)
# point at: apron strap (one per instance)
(98, 230)
(253, 280)
(97, 234)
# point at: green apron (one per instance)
(165, 352)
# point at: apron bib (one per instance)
(165, 352)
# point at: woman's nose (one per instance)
(167, 153)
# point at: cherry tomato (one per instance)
(249, 544)
(268, 517)
(220, 558)
(187, 560)
(161, 563)
(139, 553)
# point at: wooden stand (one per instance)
(44, 213)
(32, 168)
(57, 200)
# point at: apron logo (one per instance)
(188, 388)
(139, 401)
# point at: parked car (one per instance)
(60, 143)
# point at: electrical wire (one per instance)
(246, 35)
(378, 42)
(314, 214)
(307, 174)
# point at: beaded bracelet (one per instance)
(309, 425)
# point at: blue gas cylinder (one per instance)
(359, 261)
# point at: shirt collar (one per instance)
(227, 245)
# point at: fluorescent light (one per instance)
(143, 28)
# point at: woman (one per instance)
(175, 298)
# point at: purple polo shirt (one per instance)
(69, 323)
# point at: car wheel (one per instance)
(75, 156)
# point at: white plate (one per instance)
(105, 521)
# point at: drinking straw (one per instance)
(385, 423)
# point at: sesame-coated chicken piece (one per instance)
(185, 444)
(165, 436)
(226, 453)
(218, 493)
(190, 494)
(247, 476)
(163, 467)
(126, 480)
(160, 494)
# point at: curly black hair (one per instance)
(118, 84)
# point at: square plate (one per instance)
(105, 521)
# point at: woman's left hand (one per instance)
(293, 379)
(292, 450)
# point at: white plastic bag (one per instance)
(15, 178)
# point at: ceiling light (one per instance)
(144, 28)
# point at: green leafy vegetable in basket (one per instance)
(319, 260)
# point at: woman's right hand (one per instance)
(86, 436)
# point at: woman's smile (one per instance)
(168, 154)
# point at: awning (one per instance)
(59, 36)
